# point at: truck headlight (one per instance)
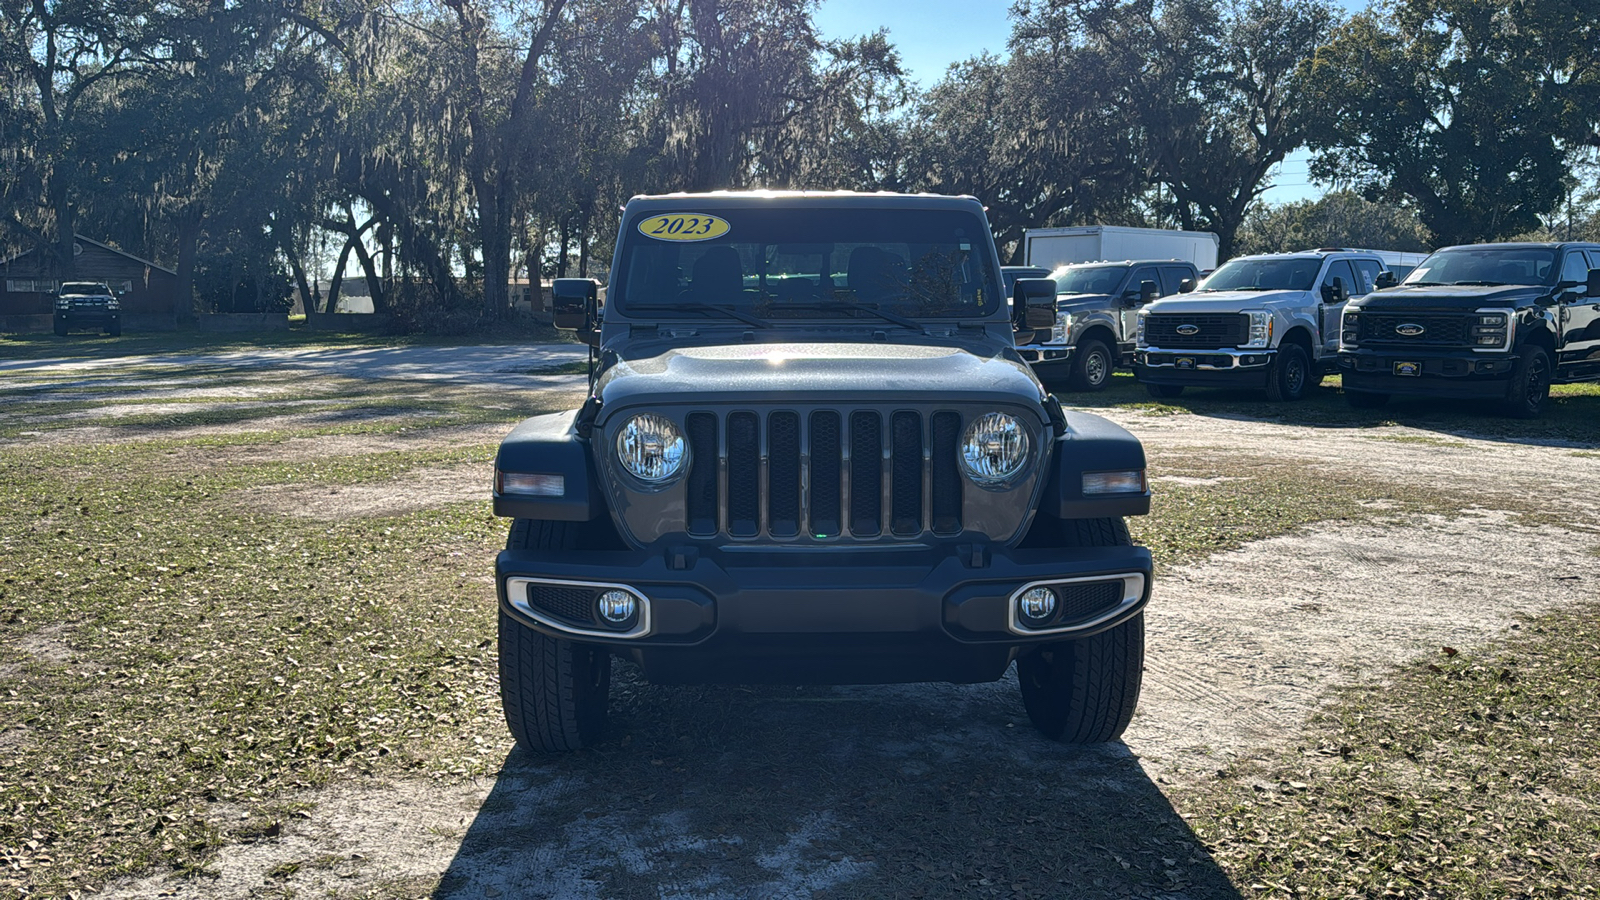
(994, 450)
(1350, 330)
(1063, 327)
(1139, 336)
(1491, 330)
(1260, 329)
(651, 448)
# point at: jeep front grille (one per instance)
(823, 474)
(1212, 331)
(1449, 330)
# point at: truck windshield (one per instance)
(810, 263)
(1481, 265)
(1293, 274)
(1088, 279)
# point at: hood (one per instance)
(1450, 296)
(1068, 301)
(1225, 301)
(766, 373)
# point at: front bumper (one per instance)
(88, 317)
(1047, 357)
(1201, 368)
(847, 616)
(1437, 373)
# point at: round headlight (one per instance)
(994, 450)
(651, 448)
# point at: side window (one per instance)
(1172, 277)
(1140, 276)
(1340, 268)
(1367, 272)
(1575, 267)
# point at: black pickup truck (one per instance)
(1498, 322)
(811, 454)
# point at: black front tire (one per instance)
(1091, 366)
(1529, 390)
(114, 329)
(554, 692)
(1289, 376)
(1164, 391)
(61, 328)
(1365, 399)
(1085, 691)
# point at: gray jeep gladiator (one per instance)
(810, 454)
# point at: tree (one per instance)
(1470, 110)
(1338, 219)
(1210, 86)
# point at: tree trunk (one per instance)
(189, 221)
(338, 275)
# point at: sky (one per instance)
(932, 34)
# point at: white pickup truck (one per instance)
(1266, 322)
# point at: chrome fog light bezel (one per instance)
(1133, 597)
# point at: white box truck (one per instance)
(1051, 247)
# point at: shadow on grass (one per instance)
(883, 791)
(1573, 416)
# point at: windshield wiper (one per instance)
(1424, 284)
(698, 306)
(870, 308)
(1480, 283)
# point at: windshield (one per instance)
(84, 287)
(1291, 274)
(789, 263)
(1088, 279)
(1481, 265)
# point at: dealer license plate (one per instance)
(1408, 368)
(1184, 362)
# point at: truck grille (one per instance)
(823, 474)
(1211, 331)
(1448, 330)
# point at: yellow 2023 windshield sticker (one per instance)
(683, 227)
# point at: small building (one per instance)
(28, 281)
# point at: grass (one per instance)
(1470, 776)
(82, 346)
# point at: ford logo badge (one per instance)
(1409, 329)
(1188, 329)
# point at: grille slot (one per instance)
(866, 474)
(906, 467)
(1438, 331)
(570, 603)
(1214, 331)
(744, 475)
(947, 481)
(701, 501)
(783, 474)
(1085, 601)
(826, 465)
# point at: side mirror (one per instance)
(1386, 280)
(1186, 286)
(1594, 284)
(1335, 291)
(1148, 290)
(574, 304)
(1033, 305)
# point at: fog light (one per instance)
(618, 608)
(1036, 606)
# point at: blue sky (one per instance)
(932, 34)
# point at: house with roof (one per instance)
(28, 283)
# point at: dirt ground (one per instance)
(1243, 648)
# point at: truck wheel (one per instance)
(1164, 391)
(554, 692)
(1530, 385)
(61, 328)
(1290, 374)
(1091, 366)
(114, 329)
(1365, 399)
(1085, 691)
